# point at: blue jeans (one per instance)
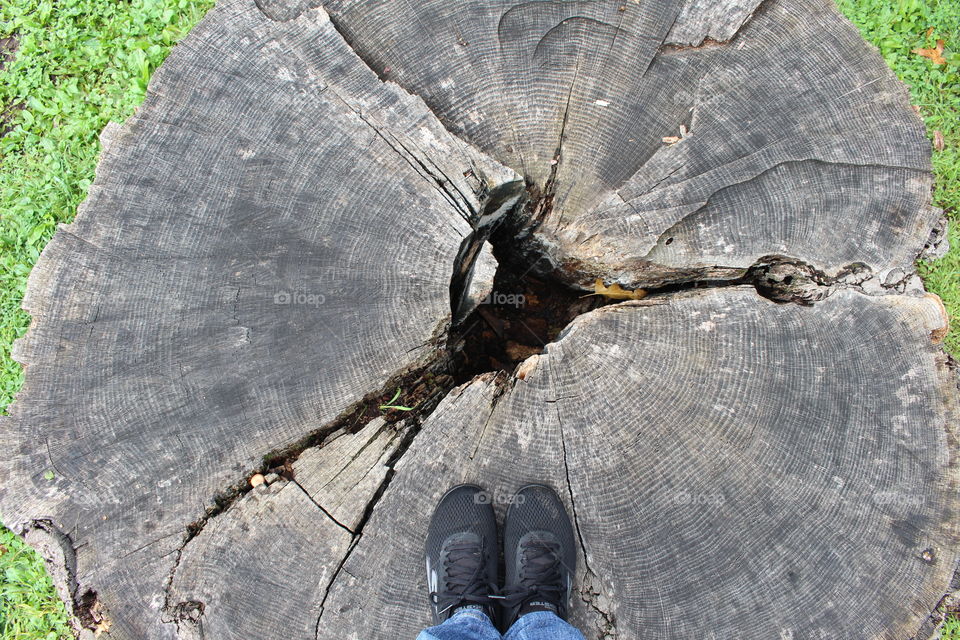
(470, 624)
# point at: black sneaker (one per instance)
(540, 555)
(462, 553)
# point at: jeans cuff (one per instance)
(534, 617)
(471, 613)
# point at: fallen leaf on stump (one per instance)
(102, 622)
(616, 292)
(102, 628)
(675, 139)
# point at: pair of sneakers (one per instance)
(462, 555)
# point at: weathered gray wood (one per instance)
(258, 569)
(342, 476)
(280, 545)
(268, 239)
(800, 140)
(718, 20)
(736, 467)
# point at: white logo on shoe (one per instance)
(431, 578)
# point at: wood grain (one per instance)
(799, 140)
(273, 236)
(737, 469)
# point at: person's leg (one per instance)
(540, 557)
(462, 570)
(465, 624)
(542, 625)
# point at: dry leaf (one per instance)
(518, 351)
(616, 292)
(929, 32)
(676, 139)
(102, 622)
(938, 140)
(935, 55)
(102, 628)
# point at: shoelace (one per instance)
(540, 575)
(464, 581)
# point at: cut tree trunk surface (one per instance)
(298, 222)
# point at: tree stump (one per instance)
(250, 374)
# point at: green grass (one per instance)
(28, 609)
(951, 628)
(83, 63)
(80, 64)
